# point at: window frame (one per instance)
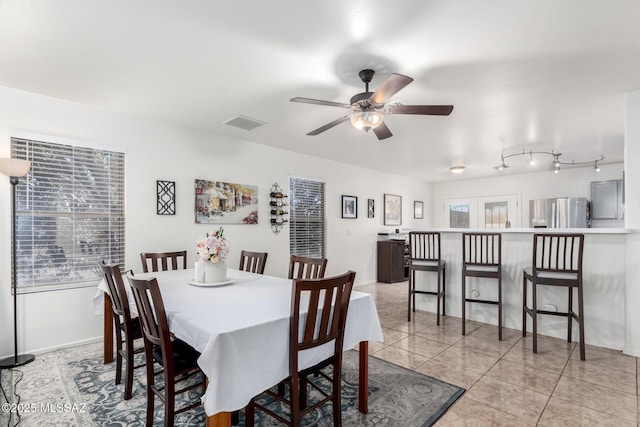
(49, 192)
(297, 220)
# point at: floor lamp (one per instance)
(14, 169)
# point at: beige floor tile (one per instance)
(609, 358)
(484, 346)
(559, 413)
(448, 333)
(515, 400)
(403, 325)
(599, 398)
(490, 332)
(526, 356)
(392, 336)
(453, 374)
(423, 346)
(525, 376)
(459, 359)
(401, 357)
(601, 375)
(469, 413)
(548, 345)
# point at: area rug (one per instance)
(397, 396)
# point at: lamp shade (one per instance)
(14, 167)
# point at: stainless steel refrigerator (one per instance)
(564, 212)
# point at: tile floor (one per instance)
(507, 384)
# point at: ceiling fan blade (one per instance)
(428, 110)
(391, 86)
(382, 131)
(319, 102)
(329, 125)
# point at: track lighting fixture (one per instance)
(556, 160)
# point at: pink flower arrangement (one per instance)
(213, 247)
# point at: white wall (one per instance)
(162, 151)
(570, 182)
(632, 217)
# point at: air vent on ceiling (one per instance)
(244, 122)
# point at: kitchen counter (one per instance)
(525, 230)
(604, 270)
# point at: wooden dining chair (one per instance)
(424, 255)
(307, 268)
(318, 316)
(482, 258)
(127, 328)
(160, 260)
(178, 360)
(557, 261)
(253, 262)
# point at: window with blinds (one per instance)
(307, 235)
(70, 214)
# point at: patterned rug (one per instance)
(397, 396)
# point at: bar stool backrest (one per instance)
(424, 246)
(482, 249)
(557, 253)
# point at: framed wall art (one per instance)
(392, 209)
(349, 207)
(370, 208)
(165, 197)
(418, 210)
(225, 203)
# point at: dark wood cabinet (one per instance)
(393, 261)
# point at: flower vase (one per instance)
(200, 270)
(215, 272)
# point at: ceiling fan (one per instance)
(369, 107)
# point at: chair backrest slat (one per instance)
(482, 249)
(253, 262)
(558, 252)
(307, 268)
(160, 260)
(424, 246)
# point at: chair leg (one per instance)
(500, 307)
(438, 294)
(169, 401)
(569, 310)
(524, 306)
(337, 398)
(581, 322)
(295, 401)
(150, 402)
(534, 314)
(411, 279)
(444, 287)
(249, 414)
(464, 303)
(128, 373)
(118, 354)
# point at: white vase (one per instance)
(200, 270)
(215, 272)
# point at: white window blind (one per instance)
(307, 235)
(70, 214)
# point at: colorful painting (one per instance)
(225, 203)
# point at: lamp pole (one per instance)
(14, 168)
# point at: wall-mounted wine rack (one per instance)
(279, 208)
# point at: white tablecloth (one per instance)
(242, 331)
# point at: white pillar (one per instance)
(632, 222)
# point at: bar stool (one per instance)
(424, 255)
(557, 261)
(482, 257)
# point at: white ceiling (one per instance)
(523, 75)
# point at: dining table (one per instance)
(241, 329)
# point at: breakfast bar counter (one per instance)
(603, 273)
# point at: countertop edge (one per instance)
(525, 230)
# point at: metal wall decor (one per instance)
(166, 197)
(278, 206)
(370, 208)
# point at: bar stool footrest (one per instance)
(481, 301)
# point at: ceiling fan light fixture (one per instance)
(366, 120)
(457, 169)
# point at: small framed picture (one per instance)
(418, 210)
(349, 207)
(370, 208)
